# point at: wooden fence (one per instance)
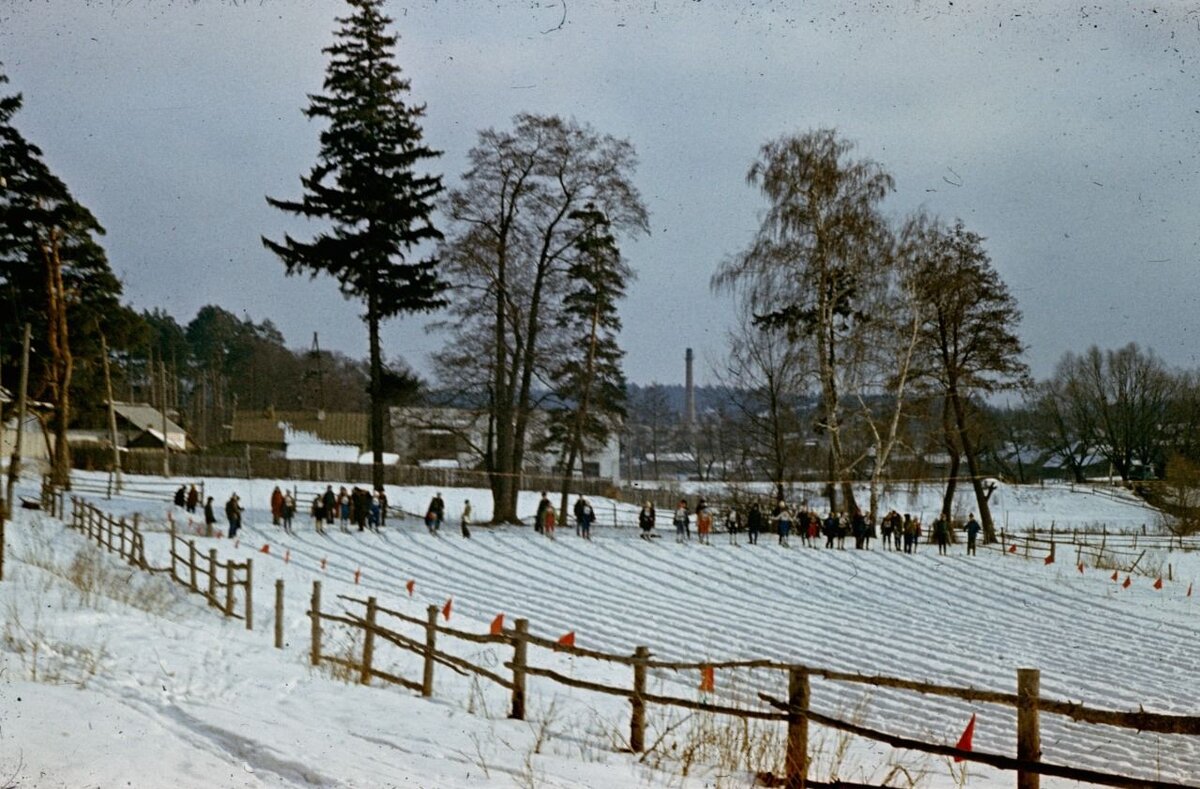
(221, 578)
(795, 710)
(112, 534)
(126, 540)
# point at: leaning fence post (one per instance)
(192, 566)
(431, 614)
(637, 722)
(229, 588)
(314, 611)
(279, 613)
(1029, 740)
(796, 763)
(368, 643)
(249, 594)
(212, 577)
(518, 663)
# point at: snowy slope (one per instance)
(219, 698)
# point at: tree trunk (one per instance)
(376, 390)
(61, 364)
(981, 499)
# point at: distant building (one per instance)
(339, 436)
(458, 437)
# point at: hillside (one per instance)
(219, 707)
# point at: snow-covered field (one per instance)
(95, 691)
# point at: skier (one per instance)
(586, 516)
(287, 512)
(681, 521)
(209, 517)
(733, 524)
(754, 523)
(329, 500)
(539, 520)
(318, 514)
(973, 529)
(646, 520)
(233, 514)
(941, 534)
(465, 520)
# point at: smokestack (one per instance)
(689, 392)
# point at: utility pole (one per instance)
(162, 377)
(14, 466)
(115, 475)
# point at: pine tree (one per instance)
(52, 269)
(590, 377)
(365, 185)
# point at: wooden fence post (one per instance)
(368, 642)
(279, 613)
(174, 560)
(1029, 740)
(192, 566)
(518, 693)
(796, 761)
(431, 614)
(212, 577)
(637, 722)
(314, 611)
(229, 588)
(249, 594)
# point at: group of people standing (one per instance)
(546, 518)
(357, 506)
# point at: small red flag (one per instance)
(1081, 568)
(1050, 559)
(357, 575)
(409, 586)
(964, 742)
(447, 608)
(265, 549)
(1114, 575)
(708, 681)
(1013, 549)
(567, 640)
(1127, 583)
(1158, 584)
(498, 625)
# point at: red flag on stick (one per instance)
(409, 586)
(708, 681)
(1013, 549)
(567, 640)
(1081, 568)
(1127, 583)
(357, 575)
(964, 742)
(498, 625)
(1158, 584)
(1114, 575)
(447, 608)
(265, 549)
(1050, 559)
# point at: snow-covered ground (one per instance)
(155, 689)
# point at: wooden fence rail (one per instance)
(794, 711)
(221, 578)
(112, 534)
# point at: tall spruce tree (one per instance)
(589, 378)
(53, 272)
(365, 185)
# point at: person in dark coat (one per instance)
(586, 516)
(233, 514)
(193, 498)
(329, 500)
(973, 528)
(181, 496)
(435, 514)
(577, 510)
(754, 523)
(832, 529)
(941, 535)
(276, 506)
(209, 517)
(287, 512)
(646, 520)
(858, 526)
(539, 520)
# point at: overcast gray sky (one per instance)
(1067, 135)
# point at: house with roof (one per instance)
(339, 436)
(435, 437)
